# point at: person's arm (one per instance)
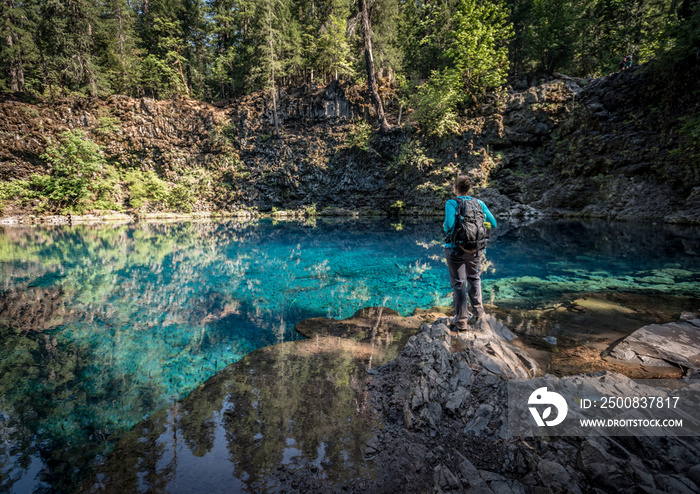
(450, 210)
(488, 215)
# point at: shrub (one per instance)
(182, 197)
(436, 104)
(76, 168)
(12, 190)
(106, 126)
(412, 154)
(145, 188)
(359, 136)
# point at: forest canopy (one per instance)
(215, 50)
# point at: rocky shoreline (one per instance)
(506, 208)
(460, 414)
(382, 403)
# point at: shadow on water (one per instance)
(103, 325)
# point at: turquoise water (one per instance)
(103, 325)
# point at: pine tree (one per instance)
(229, 31)
(66, 44)
(267, 42)
(17, 47)
(386, 45)
(116, 44)
(333, 49)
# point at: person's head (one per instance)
(463, 185)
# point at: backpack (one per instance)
(468, 232)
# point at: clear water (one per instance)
(103, 325)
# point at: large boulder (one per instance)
(663, 345)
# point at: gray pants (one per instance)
(465, 279)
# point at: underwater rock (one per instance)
(380, 322)
(663, 345)
(552, 340)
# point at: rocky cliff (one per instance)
(619, 147)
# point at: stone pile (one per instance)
(445, 400)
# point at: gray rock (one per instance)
(676, 342)
(470, 476)
(531, 96)
(445, 479)
(456, 399)
(602, 468)
(675, 484)
(501, 487)
(555, 476)
(694, 474)
(481, 419)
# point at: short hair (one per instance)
(463, 184)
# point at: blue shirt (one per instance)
(451, 210)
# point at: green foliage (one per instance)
(182, 198)
(219, 49)
(360, 136)
(333, 46)
(691, 129)
(106, 126)
(413, 155)
(145, 189)
(475, 61)
(30, 112)
(588, 37)
(77, 173)
(690, 149)
(397, 207)
(310, 210)
(436, 102)
(157, 78)
(16, 189)
(682, 53)
(478, 51)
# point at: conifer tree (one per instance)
(266, 64)
(17, 47)
(66, 42)
(116, 43)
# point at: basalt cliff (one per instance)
(620, 147)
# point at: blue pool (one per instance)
(102, 325)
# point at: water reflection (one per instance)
(100, 326)
(298, 405)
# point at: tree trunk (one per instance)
(272, 75)
(13, 66)
(369, 61)
(122, 55)
(12, 39)
(182, 75)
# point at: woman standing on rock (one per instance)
(466, 222)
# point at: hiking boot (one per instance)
(457, 324)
